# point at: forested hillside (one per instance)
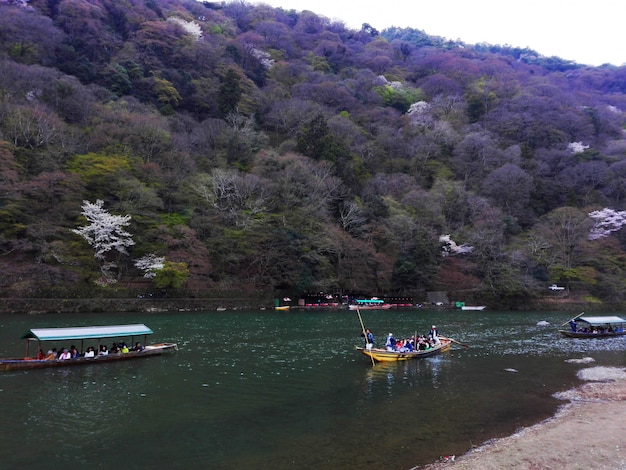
(258, 149)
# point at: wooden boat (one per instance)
(473, 307)
(382, 355)
(370, 304)
(81, 334)
(595, 327)
(282, 307)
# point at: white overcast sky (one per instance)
(590, 32)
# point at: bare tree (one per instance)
(239, 197)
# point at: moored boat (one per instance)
(383, 355)
(595, 327)
(473, 307)
(82, 334)
(370, 304)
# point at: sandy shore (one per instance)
(588, 432)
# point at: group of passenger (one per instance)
(421, 343)
(600, 330)
(72, 353)
(594, 329)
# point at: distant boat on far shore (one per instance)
(473, 307)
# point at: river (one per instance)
(287, 390)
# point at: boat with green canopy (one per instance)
(82, 334)
(595, 327)
(369, 304)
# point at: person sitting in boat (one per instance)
(391, 343)
(65, 355)
(123, 348)
(426, 343)
(74, 352)
(41, 356)
(102, 350)
(406, 346)
(572, 325)
(52, 355)
(91, 352)
(434, 334)
(137, 347)
(114, 349)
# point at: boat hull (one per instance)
(580, 334)
(30, 363)
(382, 355)
(370, 307)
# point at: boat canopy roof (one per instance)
(85, 332)
(596, 321)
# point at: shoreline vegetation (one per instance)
(586, 432)
(24, 305)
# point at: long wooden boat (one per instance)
(370, 304)
(81, 334)
(595, 327)
(382, 355)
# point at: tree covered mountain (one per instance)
(259, 149)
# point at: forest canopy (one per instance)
(261, 149)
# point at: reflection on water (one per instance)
(288, 390)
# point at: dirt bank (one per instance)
(589, 432)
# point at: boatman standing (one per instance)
(369, 339)
(434, 334)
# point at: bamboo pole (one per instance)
(358, 312)
(579, 315)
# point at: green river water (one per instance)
(287, 390)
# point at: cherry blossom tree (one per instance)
(105, 233)
(606, 222)
(150, 264)
(165, 274)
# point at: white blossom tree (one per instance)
(577, 147)
(606, 222)
(191, 27)
(105, 233)
(150, 265)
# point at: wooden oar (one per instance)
(579, 315)
(364, 334)
(465, 345)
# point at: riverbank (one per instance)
(23, 305)
(588, 432)
(152, 304)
